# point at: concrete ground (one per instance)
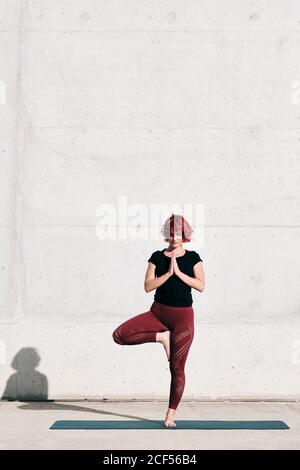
(25, 425)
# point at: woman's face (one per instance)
(176, 240)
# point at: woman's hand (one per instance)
(176, 269)
(171, 267)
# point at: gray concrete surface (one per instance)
(26, 425)
(129, 98)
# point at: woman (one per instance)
(170, 320)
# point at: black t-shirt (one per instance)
(174, 291)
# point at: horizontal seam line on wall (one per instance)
(149, 226)
(250, 128)
(197, 31)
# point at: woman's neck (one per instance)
(177, 250)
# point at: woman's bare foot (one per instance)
(169, 421)
(163, 337)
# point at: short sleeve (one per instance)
(196, 258)
(153, 258)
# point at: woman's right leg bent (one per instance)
(139, 329)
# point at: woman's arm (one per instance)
(152, 282)
(197, 282)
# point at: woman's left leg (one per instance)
(139, 329)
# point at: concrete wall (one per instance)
(161, 101)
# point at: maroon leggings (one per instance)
(143, 328)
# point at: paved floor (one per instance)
(25, 425)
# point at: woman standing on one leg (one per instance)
(170, 320)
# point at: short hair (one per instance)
(177, 224)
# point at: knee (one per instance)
(117, 337)
(177, 370)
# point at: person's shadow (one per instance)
(26, 383)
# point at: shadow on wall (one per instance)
(27, 383)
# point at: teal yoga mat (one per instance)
(180, 424)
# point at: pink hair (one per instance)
(177, 224)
